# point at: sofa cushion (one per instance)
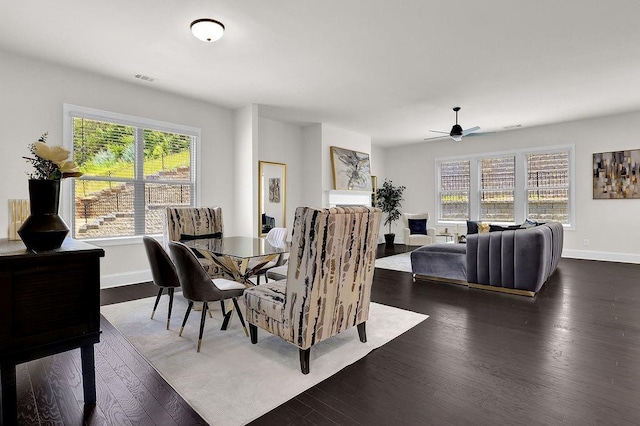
(417, 226)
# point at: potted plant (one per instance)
(389, 201)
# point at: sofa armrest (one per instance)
(432, 233)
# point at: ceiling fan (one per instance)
(457, 132)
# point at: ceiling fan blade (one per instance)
(438, 131)
(470, 130)
(437, 137)
(480, 134)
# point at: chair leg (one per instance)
(253, 331)
(235, 303)
(224, 310)
(186, 315)
(362, 332)
(258, 279)
(157, 301)
(203, 318)
(227, 319)
(304, 360)
(170, 291)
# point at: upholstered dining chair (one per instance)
(163, 272)
(277, 237)
(188, 223)
(328, 284)
(416, 229)
(198, 286)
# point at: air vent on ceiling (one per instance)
(144, 78)
(513, 126)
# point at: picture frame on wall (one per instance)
(351, 169)
(615, 174)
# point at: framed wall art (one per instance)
(615, 174)
(351, 169)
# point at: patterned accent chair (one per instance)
(187, 223)
(328, 284)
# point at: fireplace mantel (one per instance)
(348, 198)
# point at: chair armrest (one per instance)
(406, 234)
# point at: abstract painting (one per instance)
(615, 174)
(274, 190)
(351, 169)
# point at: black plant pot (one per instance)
(44, 229)
(389, 239)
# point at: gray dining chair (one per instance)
(198, 286)
(163, 272)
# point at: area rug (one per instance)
(231, 381)
(397, 262)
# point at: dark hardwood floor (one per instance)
(569, 356)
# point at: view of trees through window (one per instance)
(130, 175)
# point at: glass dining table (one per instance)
(240, 257)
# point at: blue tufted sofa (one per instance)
(514, 261)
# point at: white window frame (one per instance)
(70, 112)
(520, 190)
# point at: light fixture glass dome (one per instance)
(207, 30)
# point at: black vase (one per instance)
(44, 229)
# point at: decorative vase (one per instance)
(44, 229)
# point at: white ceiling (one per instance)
(388, 69)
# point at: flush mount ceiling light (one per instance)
(208, 30)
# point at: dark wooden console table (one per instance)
(49, 303)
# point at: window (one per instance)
(507, 187)
(548, 186)
(497, 184)
(454, 190)
(133, 169)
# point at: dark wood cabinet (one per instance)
(49, 303)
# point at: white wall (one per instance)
(283, 143)
(610, 226)
(313, 166)
(245, 174)
(33, 93)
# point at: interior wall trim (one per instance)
(117, 280)
(601, 255)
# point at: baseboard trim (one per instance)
(117, 280)
(601, 255)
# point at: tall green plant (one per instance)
(389, 201)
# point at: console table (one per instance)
(49, 303)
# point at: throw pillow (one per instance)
(417, 226)
(483, 227)
(472, 227)
(529, 224)
(494, 228)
